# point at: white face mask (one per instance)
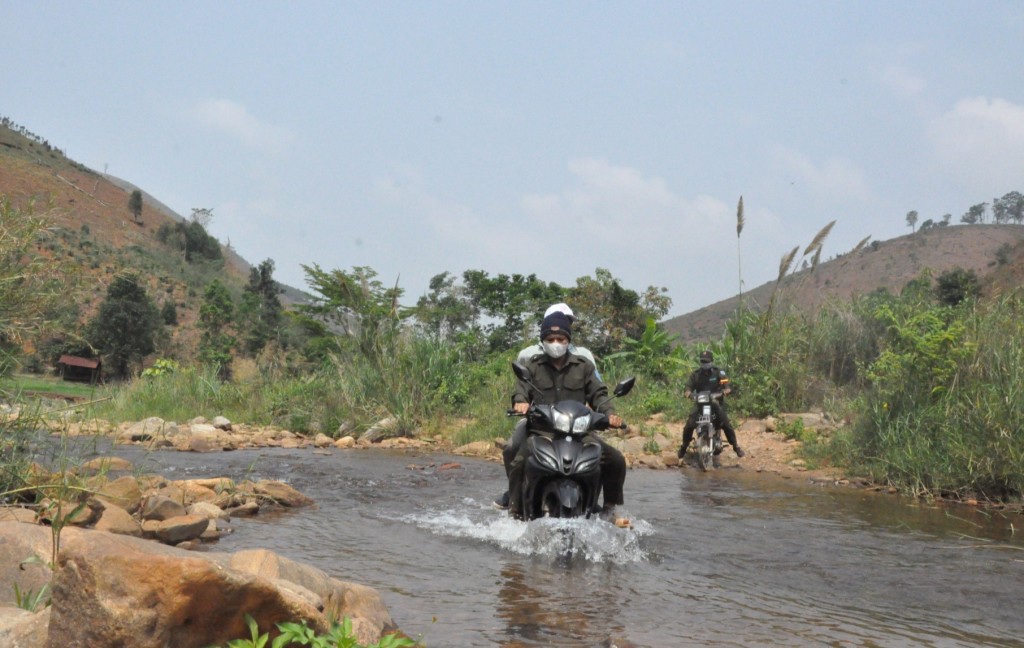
(555, 349)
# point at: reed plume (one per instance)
(860, 246)
(786, 262)
(819, 239)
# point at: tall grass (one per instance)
(958, 428)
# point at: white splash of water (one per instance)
(594, 540)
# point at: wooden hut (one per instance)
(78, 369)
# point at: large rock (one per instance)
(370, 617)
(115, 591)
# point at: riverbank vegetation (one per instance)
(929, 381)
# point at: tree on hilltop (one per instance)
(911, 219)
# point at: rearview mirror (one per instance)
(624, 386)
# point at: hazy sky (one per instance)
(532, 137)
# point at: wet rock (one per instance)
(105, 465)
(208, 511)
(248, 509)
(203, 444)
(281, 493)
(321, 440)
(345, 442)
(180, 529)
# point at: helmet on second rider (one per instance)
(706, 359)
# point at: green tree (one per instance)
(215, 319)
(199, 244)
(514, 303)
(126, 326)
(975, 214)
(169, 313)
(1009, 208)
(261, 311)
(135, 205)
(609, 313)
(446, 310)
(911, 219)
(356, 303)
(954, 286)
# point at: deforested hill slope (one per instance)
(94, 234)
(991, 251)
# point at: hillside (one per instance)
(95, 234)
(994, 252)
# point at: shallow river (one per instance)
(730, 558)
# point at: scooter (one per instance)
(563, 469)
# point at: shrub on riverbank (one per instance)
(934, 391)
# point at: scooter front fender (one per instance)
(569, 493)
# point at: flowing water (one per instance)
(728, 558)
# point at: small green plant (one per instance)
(651, 446)
(793, 429)
(299, 634)
(30, 599)
(160, 367)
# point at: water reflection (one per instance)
(545, 604)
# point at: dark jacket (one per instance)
(713, 379)
(576, 380)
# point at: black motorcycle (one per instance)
(709, 434)
(563, 469)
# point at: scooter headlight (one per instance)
(581, 424)
(562, 421)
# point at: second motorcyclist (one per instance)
(557, 375)
(708, 377)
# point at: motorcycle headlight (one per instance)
(581, 424)
(562, 421)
